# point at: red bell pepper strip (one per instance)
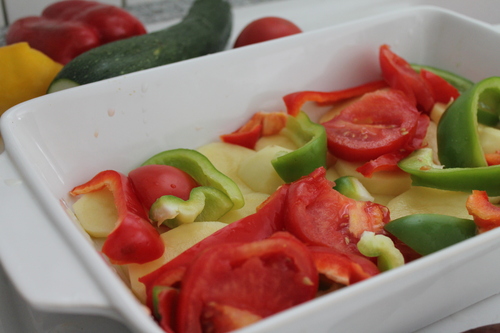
(442, 90)
(134, 239)
(318, 215)
(389, 161)
(486, 215)
(399, 74)
(492, 158)
(267, 220)
(235, 284)
(261, 124)
(341, 268)
(295, 101)
(68, 28)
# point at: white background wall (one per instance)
(14, 9)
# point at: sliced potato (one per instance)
(426, 200)
(252, 201)
(258, 172)
(275, 140)
(383, 182)
(227, 158)
(96, 212)
(176, 241)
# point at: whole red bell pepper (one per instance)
(68, 28)
(134, 239)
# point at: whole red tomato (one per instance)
(153, 181)
(264, 29)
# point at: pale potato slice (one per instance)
(426, 200)
(96, 212)
(252, 201)
(275, 140)
(176, 241)
(227, 158)
(489, 137)
(258, 172)
(383, 182)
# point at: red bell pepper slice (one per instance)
(341, 268)
(232, 285)
(319, 215)
(134, 239)
(261, 124)
(389, 161)
(492, 158)
(442, 90)
(68, 28)
(486, 215)
(399, 74)
(378, 123)
(266, 221)
(295, 101)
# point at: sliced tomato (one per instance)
(442, 90)
(378, 123)
(340, 268)
(153, 181)
(389, 161)
(399, 75)
(234, 284)
(318, 215)
(260, 225)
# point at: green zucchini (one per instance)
(205, 29)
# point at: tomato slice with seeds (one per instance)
(378, 123)
(231, 285)
(319, 215)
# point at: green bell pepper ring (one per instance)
(424, 172)
(457, 135)
(202, 170)
(311, 138)
(428, 233)
(485, 115)
(205, 203)
(381, 246)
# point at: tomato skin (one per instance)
(265, 29)
(248, 280)
(378, 123)
(400, 75)
(155, 180)
(318, 215)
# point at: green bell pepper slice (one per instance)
(424, 172)
(457, 135)
(202, 170)
(205, 203)
(485, 115)
(311, 138)
(428, 233)
(382, 247)
(351, 187)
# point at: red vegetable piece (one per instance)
(264, 29)
(134, 239)
(68, 28)
(234, 284)
(342, 268)
(155, 180)
(295, 101)
(265, 222)
(378, 123)
(493, 158)
(389, 161)
(442, 90)
(486, 215)
(318, 215)
(167, 303)
(399, 75)
(261, 124)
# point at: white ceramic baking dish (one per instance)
(61, 140)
